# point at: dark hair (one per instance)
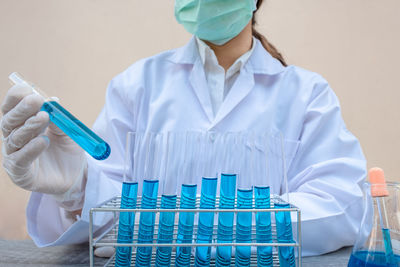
(267, 45)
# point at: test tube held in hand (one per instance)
(70, 125)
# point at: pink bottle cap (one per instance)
(378, 183)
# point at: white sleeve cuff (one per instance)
(73, 199)
(50, 224)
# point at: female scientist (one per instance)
(227, 78)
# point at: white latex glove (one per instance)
(37, 155)
(104, 252)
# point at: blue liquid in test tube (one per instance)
(126, 224)
(263, 225)
(284, 235)
(168, 199)
(146, 222)
(225, 219)
(70, 125)
(185, 226)
(206, 220)
(166, 230)
(78, 132)
(243, 227)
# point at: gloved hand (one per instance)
(104, 252)
(37, 155)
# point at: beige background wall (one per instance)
(73, 48)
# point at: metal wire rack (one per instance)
(109, 238)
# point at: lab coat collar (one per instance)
(189, 55)
(240, 89)
(186, 54)
(260, 61)
(199, 84)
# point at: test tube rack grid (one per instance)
(109, 237)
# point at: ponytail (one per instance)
(266, 44)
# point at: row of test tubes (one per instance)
(177, 163)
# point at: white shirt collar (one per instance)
(207, 56)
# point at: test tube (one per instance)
(229, 147)
(128, 200)
(149, 199)
(168, 201)
(244, 201)
(189, 173)
(70, 125)
(262, 200)
(283, 219)
(207, 199)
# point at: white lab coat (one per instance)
(169, 91)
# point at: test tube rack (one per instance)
(109, 237)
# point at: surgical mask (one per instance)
(216, 21)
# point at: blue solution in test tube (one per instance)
(166, 230)
(244, 201)
(263, 225)
(243, 226)
(70, 125)
(227, 197)
(126, 223)
(146, 222)
(185, 225)
(206, 220)
(168, 201)
(128, 201)
(188, 174)
(283, 220)
(188, 198)
(225, 219)
(207, 198)
(284, 235)
(262, 199)
(149, 198)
